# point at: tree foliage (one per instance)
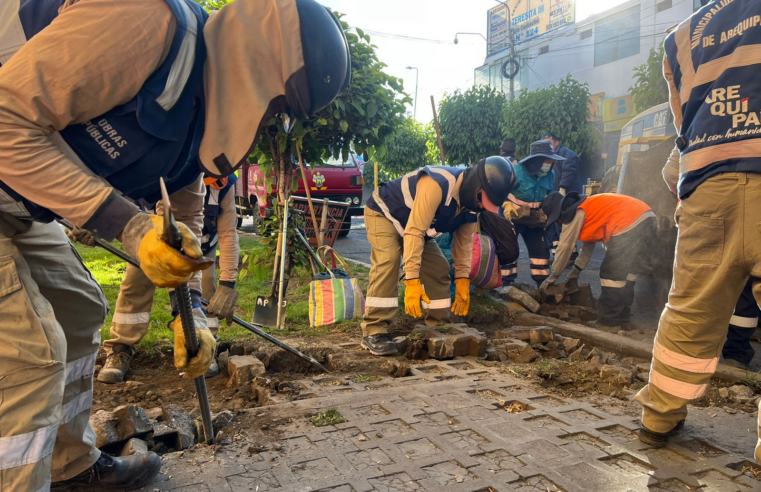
(362, 117)
(407, 149)
(650, 87)
(469, 123)
(561, 109)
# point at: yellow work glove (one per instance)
(412, 297)
(510, 211)
(161, 263)
(207, 345)
(461, 296)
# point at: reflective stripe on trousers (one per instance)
(382, 302)
(717, 250)
(59, 310)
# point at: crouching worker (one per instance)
(535, 180)
(624, 224)
(153, 98)
(402, 217)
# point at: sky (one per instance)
(442, 65)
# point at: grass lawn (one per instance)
(109, 272)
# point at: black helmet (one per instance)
(327, 61)
(494, 175)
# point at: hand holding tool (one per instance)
(174, 238)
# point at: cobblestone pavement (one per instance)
(458, 427)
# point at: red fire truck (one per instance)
(335, 180)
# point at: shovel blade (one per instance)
(265, 312)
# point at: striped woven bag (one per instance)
(335, 295)
(484, 266)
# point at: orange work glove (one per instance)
(412, 297)
(461, 296)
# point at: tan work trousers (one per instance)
(132, 315)
(382, 302)
(51, 311)
(718, 248)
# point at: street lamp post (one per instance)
(414, 110)
(469, 34)
(512, 43)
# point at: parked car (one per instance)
(336, 181)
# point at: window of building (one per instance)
(664, 5)
(544, 49)
(617, 36)
(586, 34)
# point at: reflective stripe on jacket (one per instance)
(712, 64)
(609, 214)
(394, 200)
(156, 134)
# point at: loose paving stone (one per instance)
(428, 434)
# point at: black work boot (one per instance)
(379, 344)
(658, 439)
(112, 473)
(117, 364)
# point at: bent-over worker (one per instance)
(535, 179)
(402, 218)
(623, 224)
(133, 306)
(91, 116)
(719, 243)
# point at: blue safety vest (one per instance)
(530, 188)
(211, 212)
(713, 57)
(156, 134)
(394, 200)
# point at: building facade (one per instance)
(602, 51)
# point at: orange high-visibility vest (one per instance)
(607, 214)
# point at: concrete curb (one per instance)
(618, 344)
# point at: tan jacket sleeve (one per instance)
(95, 56)
(674, 101)
(229, 247)
(569, 234)
(462, 250)
(428, 197)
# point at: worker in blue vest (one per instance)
(711, 67)
(98, 100)
(402, 219)
(132, 315)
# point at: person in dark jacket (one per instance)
(507, 150)
(566, 179)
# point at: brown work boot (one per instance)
(112, 473)
(658, 439)
(117, 364)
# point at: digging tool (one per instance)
(268, 309)
(250, 327)
(171, 235)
